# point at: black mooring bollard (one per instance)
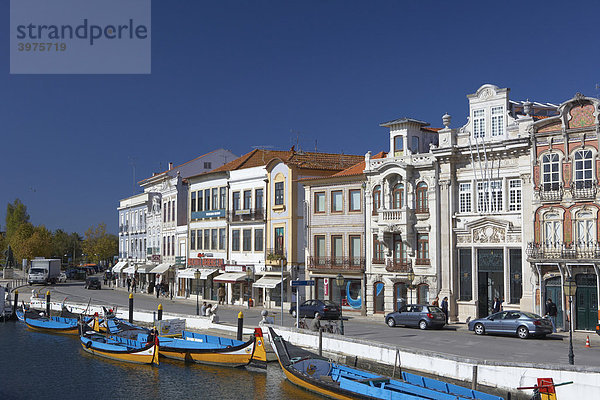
(15, 303)
(240, 325)
(321, 341)
(131, 308)
(160, 311)
(48, 303)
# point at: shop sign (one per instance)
(235, 268)
(156, 257)
(326, 286)
(206, 262)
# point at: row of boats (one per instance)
(114, 338)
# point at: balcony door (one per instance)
(399, 250)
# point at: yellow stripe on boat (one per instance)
(142, 357)
(313, 388)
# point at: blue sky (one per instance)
(237, 74)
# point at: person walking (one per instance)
(221, 294)
(444, 307)
(315, 325)
(551, 311)
(157, 290)
(128, 284)
(134, 284)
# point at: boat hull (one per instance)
(145, 355)
(60, 325)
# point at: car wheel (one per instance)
(294, 313)
(479, 329)
(391, 322)
(316, 314)
(422, 324)
(523, 332)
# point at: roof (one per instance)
(354, 170)
(321, 161)
(403, 121)
(178, 166)
(429, 129)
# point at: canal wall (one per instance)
(502, 375)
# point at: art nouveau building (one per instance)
(566, 171)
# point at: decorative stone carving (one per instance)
(488, 234)
(463, 238)
(486, 94)
(513, 238)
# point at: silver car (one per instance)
(422, 315)
(520, 323)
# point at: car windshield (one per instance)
(37, 271)
(531, 315)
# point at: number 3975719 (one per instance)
(34, 46)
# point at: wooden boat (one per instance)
(42, 323)
(336, 381)
(119, 348)
(214, 350)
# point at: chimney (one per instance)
(170, 166)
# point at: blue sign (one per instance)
(303, 283)
(208, 214)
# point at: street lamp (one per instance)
(570, 287)
(197, 275)
(248, 279)
(411, 278)
(339, 281)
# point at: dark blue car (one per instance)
(417, 315)
(327, 309)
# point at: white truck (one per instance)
(44, 270)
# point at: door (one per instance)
(379, 297)
(495, 325)
(490, 267)
(587, 308)
(554, 292)
(400, 293)
(510, 322)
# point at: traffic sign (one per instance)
(303, 283)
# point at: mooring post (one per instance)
(160, 311)
(16, 302)
(48, 303)
(321, 341)
(474, 381)
(397, 362)
(240, 329)
(131, 308)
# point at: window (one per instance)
(222, 238)
(166, 242)
(193, 204)
(354, 200)
(423, 248)
(489, 196)
(337, 250)
(514, 195)
(258, 239)
(497, 121)
(247, 239)
(278, 193)
(235, 240)
(200, 203)
(398, 196)
(552, 230)
(193, 239)
(173, 245)
(585, 228)
(337, 203)
(414, 144)
(516, 277)
(422, 203)
(478, 123)
(583, 169)
(320, 202)
(206, 199)
(236, 201)
(378, 251)
(258, 199)
(550, 176)
(464, 197)
(215, 198)
(199, 239)
(247, 199)
(222, 198)
(376, 199)
(354, 250)
(166, 209)
(320, 249)
(400, 251)
(207, 165)
(173, 210)
(279, 240)
(466, 288)
(206, 239)
(398, 146)
(213, 239)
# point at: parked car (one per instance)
(62, 277)
(521, 323)
(310, 308)
(417, 315)
(92, 283)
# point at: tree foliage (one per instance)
(16, 215)
(99, 245)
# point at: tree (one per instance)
(18, 240)
(16, 215)
(99, 245)
(39, 243)
(65, 245)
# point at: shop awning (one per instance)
(231, 277)
(145, 269)
(119, 266)
(161, 268)
(267, 282)
(190, 273)
(129, 270)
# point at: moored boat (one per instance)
(119, 348)
(42, 323)
(336, 381)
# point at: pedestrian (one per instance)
(128, 284)
(221, 294)
(445, 307)
(157, 290)
(203, 308)
(497, 307)
(315, 325)
(104, 279)
(436, 301)
(208, 310)
(134, 284)
(551, 311)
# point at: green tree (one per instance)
(99, 245)
(18, 240)
(39, 243)
(16, 215)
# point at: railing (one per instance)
(254, 214)
(422, 261)
(376, 260)
(565, 250)
(398, 265)
(396, 215)
(584, 190)
(337, 263)
(550, 192)
(422, 210)
(274, 256)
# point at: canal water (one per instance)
(37, 365)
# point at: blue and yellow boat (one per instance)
(42, 323)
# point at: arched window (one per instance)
(376, 199)
(399, 196)
(552, 230)
(400, 295)
(585, 229)
(422, 203)
(550, 175)
(583, 169)
(378, 294)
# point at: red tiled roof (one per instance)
(358, 169)
(538, 117)
(426, 128)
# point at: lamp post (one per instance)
(197, 276)
(570, 287)
(411, 278)
(339, 281)
(248, 279)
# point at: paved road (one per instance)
(453, 340)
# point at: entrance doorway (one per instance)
(400, 294)
(586, 302)
(379, 297)
(554, 292)
(490, 268)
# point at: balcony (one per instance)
(398, 265)
(550, 192)
(275, 256)
(249, 215)
(336, 263)
(584, 190)
(563, 251)
(422, 261)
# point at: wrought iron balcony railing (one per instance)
(422, 261)
(398, 265)
(584, 189)
(564, 250)
(337, 263)
(550, 191)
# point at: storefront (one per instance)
(188, 285)
(235, 284)
(263, 286)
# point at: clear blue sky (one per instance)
(237, 74)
